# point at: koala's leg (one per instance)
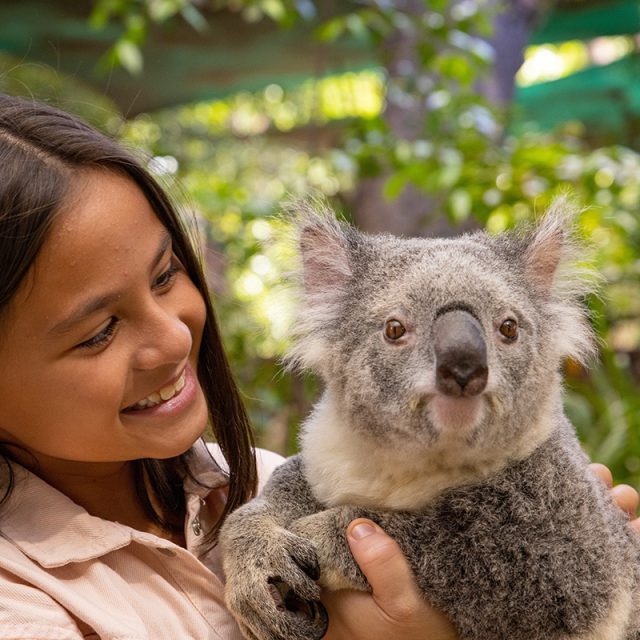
(327, 531)
(271, 572)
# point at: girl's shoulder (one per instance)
(266, 461)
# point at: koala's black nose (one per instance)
(461, 354)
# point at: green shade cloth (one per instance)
(588, 20)
(605, 98)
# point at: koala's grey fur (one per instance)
(487, 491)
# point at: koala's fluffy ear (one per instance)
(550, 246)
(323, 246)
(552, 267)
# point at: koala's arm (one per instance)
(285, 498)
(271, 572)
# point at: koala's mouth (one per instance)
(460, 413)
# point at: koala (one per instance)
(441, 419)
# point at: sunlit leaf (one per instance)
(129, 56)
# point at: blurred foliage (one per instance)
(239, 158)
(134, 18)
(42, 82)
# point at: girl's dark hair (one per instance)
(40, 150)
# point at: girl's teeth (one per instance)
(166, 393)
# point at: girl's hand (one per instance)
(624, 496)
(395, 609)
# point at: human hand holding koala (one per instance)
(395, 608)
(623, 495)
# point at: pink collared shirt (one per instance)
(66, 575)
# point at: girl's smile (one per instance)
(100, 345)
(170, 400)
(166, 393)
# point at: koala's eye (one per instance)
(394, 329)
(509, 329)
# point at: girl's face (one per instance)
(99, 350)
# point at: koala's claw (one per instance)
(309, 565)
(274, 594)
(286, 599)
(287, 617)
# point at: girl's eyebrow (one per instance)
(85, 309)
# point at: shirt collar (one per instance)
(54, 531)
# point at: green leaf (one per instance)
(195, 18)
(129, 56)
(162, 10)
(136, 26)
(460, 205)
(331, 30)
(457, 67)
(395, 184)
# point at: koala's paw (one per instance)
(327, 531)
(272, 592)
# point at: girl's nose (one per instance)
(165, 340)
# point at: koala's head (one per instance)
(434, 342)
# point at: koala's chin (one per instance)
(460, 415)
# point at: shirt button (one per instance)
(196, 527)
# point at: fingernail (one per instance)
(362, 530)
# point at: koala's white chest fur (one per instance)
(344, 467)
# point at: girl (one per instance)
(111, 368)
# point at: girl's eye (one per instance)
(166, 278)
(394, 329)
(103, 337)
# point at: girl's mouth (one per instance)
(158, 397)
